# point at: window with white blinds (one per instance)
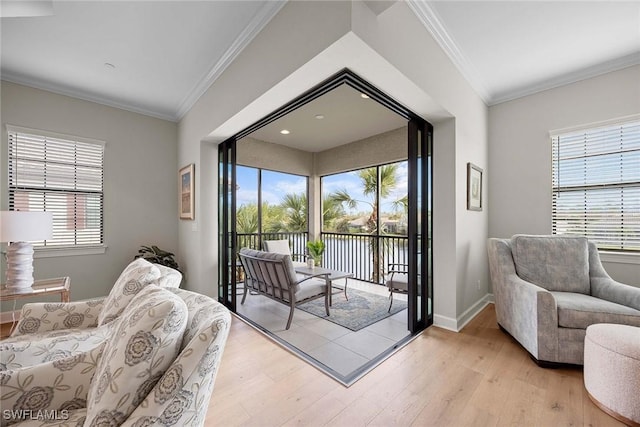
(62, 175)
(596, 185)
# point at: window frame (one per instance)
(62, 250)
(619, 254)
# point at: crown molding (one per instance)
(432, 22)
(573, 77)
(259, 21)
(85, 96)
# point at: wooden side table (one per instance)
(58, 285)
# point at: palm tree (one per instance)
(295, 212)
(332, 213)
(387, 182)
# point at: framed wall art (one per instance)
(187, 192)
(474, 187)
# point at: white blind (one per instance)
(596, 185)
(59, 175)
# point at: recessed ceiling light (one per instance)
(109, 65)
(364, 95)
(285, 132)
(319, 116)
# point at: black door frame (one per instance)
(420, 137)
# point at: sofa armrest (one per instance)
(41, 317)
(608, 289)
(57, 385)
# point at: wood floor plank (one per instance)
(478, 377)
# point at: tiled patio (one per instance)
(337, 348)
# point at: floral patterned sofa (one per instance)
(151, 360)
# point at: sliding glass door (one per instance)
(228, 269)
(420, 137)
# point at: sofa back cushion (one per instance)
(145, 343)
(138, 274)
(556, 263)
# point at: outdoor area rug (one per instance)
(362, 309)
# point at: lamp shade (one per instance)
(22, 226)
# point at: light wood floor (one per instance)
(478, 377)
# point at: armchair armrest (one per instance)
(60, 384)
(42, 317)
(608, 289)
(527, 311)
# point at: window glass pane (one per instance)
(62, 176)
(394, 202)
(596, 185)
(247, 207)
(284, 202)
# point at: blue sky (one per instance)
(275, 185)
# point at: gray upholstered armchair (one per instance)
(548, 289)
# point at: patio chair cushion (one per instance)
(558, 264)
(133, 278)
(146, 341)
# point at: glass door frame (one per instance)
(227, 250)
(419, 142)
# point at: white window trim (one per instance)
(48, 252)
(603, 123)
(19, 129)
(619, 257)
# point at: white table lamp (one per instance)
(20, 228)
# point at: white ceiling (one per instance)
(167, 53)
(346, 117)
(508, 49)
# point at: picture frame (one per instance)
(187, 192)
(474, 187)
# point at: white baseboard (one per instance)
(461, 321)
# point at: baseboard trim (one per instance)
(461, 321)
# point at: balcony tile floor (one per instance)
(338, 348)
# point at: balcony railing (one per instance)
(345, 252)
(366, 256)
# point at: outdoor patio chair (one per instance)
(397, 280)
(282, 247)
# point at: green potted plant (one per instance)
(158, 256)
(316, 249)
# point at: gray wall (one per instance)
(520, 152)
(260, 154)
(383, 148)
(140, 180)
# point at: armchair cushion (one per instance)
(58, 385)
(579, 311)
(556, 264)
(133, 278)
(33, 349)
(45, 317)
(146, 341)
(169, 277)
